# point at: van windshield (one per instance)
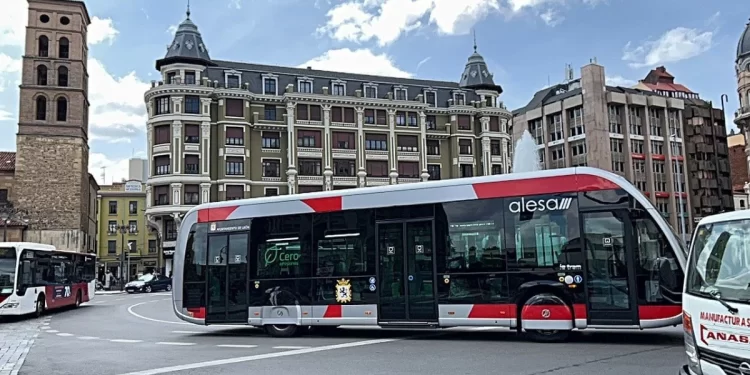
(720, 260)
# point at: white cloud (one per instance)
(678, 44)
(116, 102)
(10, 71)
(236, 4)
(551, 17)
(5, 115)
(362, 61)
(115, 170)
(102, 30)
(172, 29)
(620, 81)
(13, 20)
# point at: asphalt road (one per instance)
(139, 335)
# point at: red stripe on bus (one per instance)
(658, 312)
(542, 185)
(492, 311)
(327, 204)
(215, 214)
(579, 310)
(538, 312)
(333, 311)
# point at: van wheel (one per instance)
(281, 330)
(40, 306)
(547, 336)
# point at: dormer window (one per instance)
(171, 77)
(338, 88)
(190, 78)
(371, 90)
(400, 93)
(233, 81)
(305, 85)
(459, 98)
(270, 84)
(430, 98)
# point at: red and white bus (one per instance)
(36, 277)
(543, 253)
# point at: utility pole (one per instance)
(122, 229)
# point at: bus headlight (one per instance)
(691, 350)
(9, 305)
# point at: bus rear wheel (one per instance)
(281, 330)
(547, 336)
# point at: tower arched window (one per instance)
(62, 76)
(62, 109)
(63, 48)
(41, 75)
(41, 108)
(43, 46)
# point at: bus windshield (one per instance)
(720, 261)
(7, 269)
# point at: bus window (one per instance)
(7, 270)
(282, 247)
(194, 284)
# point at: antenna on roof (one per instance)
(104, 181)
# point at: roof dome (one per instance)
(743, 46)
(187, 46)
(476, 75)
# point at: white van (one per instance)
(716, 298)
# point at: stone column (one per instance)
(486, 156)
(176, 193)
(392, 146)
(205, 192)
(150, 148)
(327, 149)
(291, 171)
(176, 146)
(361, 157)
(425, 175)
(505, 151)
(149, 196)
(205, 148)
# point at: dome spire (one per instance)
(475, 39)
(188, 9)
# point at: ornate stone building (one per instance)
(51, 179)
(742, 68)
(222, 130)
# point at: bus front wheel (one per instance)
(40, 306)
(547, 335)
(281, 330)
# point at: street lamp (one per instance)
(122, 228)
(9, 214)
(680, 192)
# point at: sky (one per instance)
(526, 43)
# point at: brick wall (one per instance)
(738, 165)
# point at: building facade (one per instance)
(221, 130)
(123, 228)
(138, 169)
(51, 179)
(634, 133)
(742, 70)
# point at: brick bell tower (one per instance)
(52, 154)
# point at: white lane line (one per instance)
(65, 334)
(228, 361)
(87, 338)
(237, 346)
(291, 347)
(139, 316)
(175, 343)
(52, 331)
(45, 327)
(189, 332)
(126, 341)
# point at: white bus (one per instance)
(716, 298)
(36, 277)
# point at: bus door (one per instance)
(227, 294)
(609, 269)
(406, 272)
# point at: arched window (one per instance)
(41, 75)
(62, 109)
(41, 108)
(43, 46)
(64, 48)
(62, 76)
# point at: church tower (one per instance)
(742, 68)
(52, 182)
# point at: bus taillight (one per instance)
(197, 312)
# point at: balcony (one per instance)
(309, 152)
(344, 181)
(741, 114)
(344, 153)
(310, 180)
(161, 148)
(408, 155)
(376, 154)
(377, 181)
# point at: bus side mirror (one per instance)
(667, 277)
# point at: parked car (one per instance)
(149, 283)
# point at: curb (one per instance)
(109, 292)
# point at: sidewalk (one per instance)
(109, 292)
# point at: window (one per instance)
(497, 169)
(495, 147)
(271, 140)
(163, 165)
(408, 169)
(467, 170)
(172, 78)
(412, 119)
(192, 104)
(195, 266)
(345, 168)
(235, 166)
(161, 195)
(192, 134)
(235, 192)
(434, 171)
(113, 207)
(343, 140)
(233, 82)
(43, 47)
(271, 192)
(342, 114)
(305, 87)
(151, 246)
(407, 143)
(400, 94)
(281, 246)
(190, 78)
(657, 147)
(41, 75)
(62, 76)
(271, 168)
(162, 105)
(377, 168)
(64, 48)
(459, 99)
(162, 134)
(112, 227)
(339, 89)
(464, 122)
(192, 194)
(464, 147)
(235, 136)
(234, 108)
(400, 118)
(344, 248)
(112, 247)
(494, 124)
(269, 86)
(433, 147)
(133, 208)
(310, 167)
(376, 142)
(651, 246)
(269, 113)
(575, 121)
(308, 138)
(192, 164)
(170, 230)
(41, 108)
(371, 92)
(369, 116)
(3, 195)
(62, 109)
(431, 98)
(132, 226)
(430, 122)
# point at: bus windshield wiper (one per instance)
(715, 294)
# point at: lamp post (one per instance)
(9, 214)
(122, 228)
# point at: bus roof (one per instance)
(726, 216)
(565, 180)
(37, 246)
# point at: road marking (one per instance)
(291, 347)
(176, 343)
(65, 334)
(189, 332)
(45, 327)
(237, 346)
(126, 341)
(139, 316)
(229, 361)
(52, 331)
(87, 338)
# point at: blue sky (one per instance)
(526, 43)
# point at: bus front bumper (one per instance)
(684, 370)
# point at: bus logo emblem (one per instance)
(343, 291)
(545, 313)
(541, 205)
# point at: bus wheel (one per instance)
(281, 330)
(78, 299)
(546, 317)
(40, 306)
(540, 335)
